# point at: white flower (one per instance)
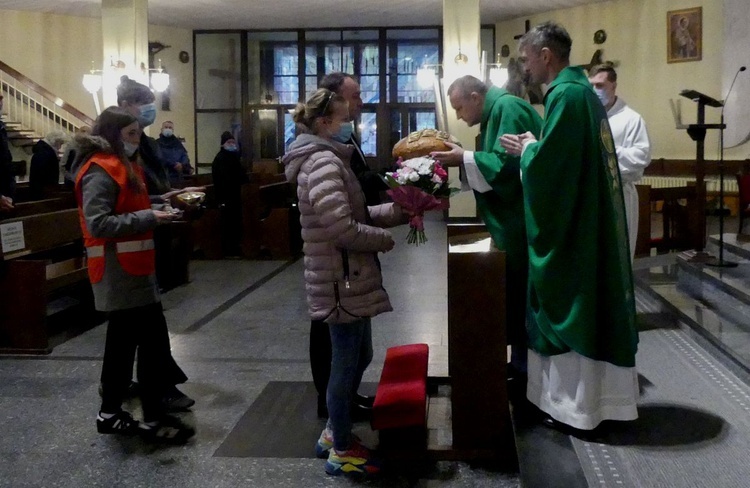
(436, 179)
(413, 176)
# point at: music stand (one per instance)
(697, 132)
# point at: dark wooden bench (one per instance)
(25, 209)
(44, 284)
(270, 218)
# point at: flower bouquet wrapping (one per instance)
(418, 185)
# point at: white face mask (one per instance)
(167, 132)
(130, 148)
(603, 96)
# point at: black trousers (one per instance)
(143, 329)
(320, 356)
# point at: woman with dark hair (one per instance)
(118, 223)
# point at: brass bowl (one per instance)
(192, 197)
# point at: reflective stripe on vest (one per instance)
(95, 251)
(135, 246)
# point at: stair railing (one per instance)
(35, 108)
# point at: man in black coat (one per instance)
(370, 181)
(228, 177)
(45, 165)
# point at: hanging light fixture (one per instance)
(159, 79)
(92, 81)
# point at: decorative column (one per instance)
(461, 56)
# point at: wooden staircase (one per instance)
(32, 111)
(20, 136)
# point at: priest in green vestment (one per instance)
(494, 176)
(581, 311)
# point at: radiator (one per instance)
(712, 184)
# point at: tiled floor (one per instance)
(238, 326)
(232, 337)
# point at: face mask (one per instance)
(230, 147)
(148, 114)
(603, 96)
(130, 148)
(167, 132)
(344, 133)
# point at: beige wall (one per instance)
(636, 38)
(56, 50)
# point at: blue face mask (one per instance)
(344, 133)
(148, 114)
(130, 149)
(230, 147)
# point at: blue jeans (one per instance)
(351, 345)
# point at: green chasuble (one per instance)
(581, 288)
(501, 209)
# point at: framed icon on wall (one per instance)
(684, 35)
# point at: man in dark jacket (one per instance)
(372, 184)
(173, 152)
(45, 165)
(138, 99)
(370, 181)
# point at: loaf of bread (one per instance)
(422, 143)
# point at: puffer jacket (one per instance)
(341, 235)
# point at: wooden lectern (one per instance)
(477, 352)
(475, 411)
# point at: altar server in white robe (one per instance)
(631, 142)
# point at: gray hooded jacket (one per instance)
(118, 290)
(341, 235)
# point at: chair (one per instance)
(743, 187)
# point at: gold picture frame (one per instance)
(685, 35)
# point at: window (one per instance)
(408, 50)
(259, 83)
(217, 71)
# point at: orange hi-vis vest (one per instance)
(135, 253)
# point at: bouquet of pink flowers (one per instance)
(418, 185)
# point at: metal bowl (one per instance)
(192, 197)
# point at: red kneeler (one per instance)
(401, 398)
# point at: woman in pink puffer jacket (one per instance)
(342, 237)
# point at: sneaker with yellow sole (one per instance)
(356, 462)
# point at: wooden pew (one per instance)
(270, 218)
(43, 280)
(681, 225)
(24, 209)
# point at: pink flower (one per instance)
(440, 172)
